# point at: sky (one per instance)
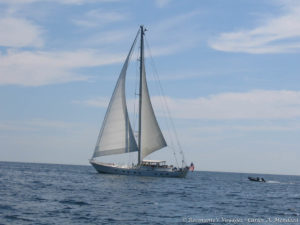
(229, 72)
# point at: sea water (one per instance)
(63, 194)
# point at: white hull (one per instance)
(139, 170)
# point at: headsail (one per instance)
(152, 138)
(116, 135)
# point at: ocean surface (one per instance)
(63, 194)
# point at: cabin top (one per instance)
(153, 162)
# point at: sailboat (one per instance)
(117, 137)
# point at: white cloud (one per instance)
(257, 104)
(168, 36)
(173, 29)
(78, 2)
(173, 23)
(274, 35)
(258, 126)
(112, 36)
(98, 17)
(162, 3)
(122, 38)
(42, 68)
(36, 68)
(16, 32)
(95, 102)
(43, 140)
(165, 37)
(177, 75)
(17, 1)
(36, 125)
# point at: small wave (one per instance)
(293, 212)
(73, 202)
(278, 182)
(83, 218)
(273, 182)
(295, 197)
(15, 217)
(6, 207)
(11, 217)
(37, 198)
(231, 195)
(39, 184)
(66, 189)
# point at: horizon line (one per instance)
(210, 171)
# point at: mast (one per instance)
(140, 93)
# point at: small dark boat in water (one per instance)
(256, 179)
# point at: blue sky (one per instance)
(229, 69)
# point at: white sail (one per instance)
(116, 135)
(151, 135)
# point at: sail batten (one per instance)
(116, 135)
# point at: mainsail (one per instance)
(116, 135)
(151, 136)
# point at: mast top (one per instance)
(143, 29)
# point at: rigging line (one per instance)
(135, 93)
(135, 111)
(134, 117)
(166, 105)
